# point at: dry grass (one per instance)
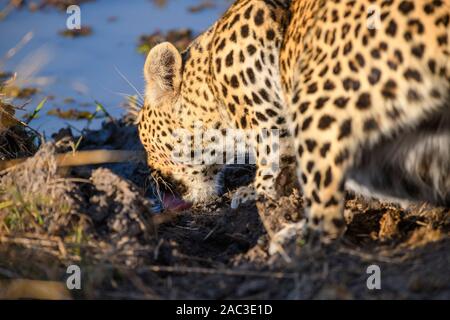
(16, 138)
(35, 198)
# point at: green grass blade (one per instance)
(101, 108)
(36, 110)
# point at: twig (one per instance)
(83, 158)
(368, 256)
(54, 246)
(224, 272)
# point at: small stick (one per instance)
(225, 272)
(83, 158)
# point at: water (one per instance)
(84, 68)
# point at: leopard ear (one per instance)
(162, 72)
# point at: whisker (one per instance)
(130, 96)
(129, 82)
(133, 105)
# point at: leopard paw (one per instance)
(291, 232)
(243, 195)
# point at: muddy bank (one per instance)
(105, 219)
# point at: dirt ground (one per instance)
(107, 220)
(103, 219)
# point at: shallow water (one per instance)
(85, 69)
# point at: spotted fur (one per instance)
(227, 78)
(356, 94)
(356, 105)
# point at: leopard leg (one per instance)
(323, 187)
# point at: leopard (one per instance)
(356, 93)
(226, 79)
(367, 87)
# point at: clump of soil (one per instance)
(180, 38)
(22, 93)
(4, 76)
(126, 250)
(61, 4)
(84, 31)
(73, 114)
(9, 90)
(204, 5)
(34, 5)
